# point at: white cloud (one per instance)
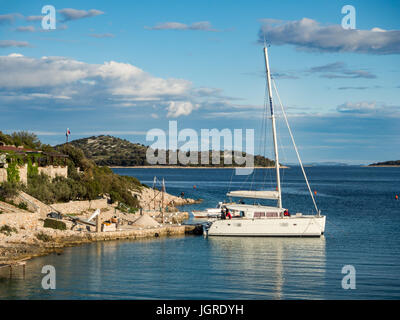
(357, 107)
(201, 26)
(34, 18)
(13, 43)
(180, 108)
(26, 29)
(368, 108)
(17, 71)
(72, 83)
(9, 18)
(340, 70)
(47, 96)
(74, 14)
(311, 35)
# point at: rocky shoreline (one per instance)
(23, 236)
(13, 252)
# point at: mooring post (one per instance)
(98, 223)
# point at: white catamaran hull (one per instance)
(305, 226)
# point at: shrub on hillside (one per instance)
(43, 237)
(22, 205)
(7, 230)
(89, 184)
(54, 224)
(8, 190)
(93, 183)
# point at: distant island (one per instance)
(111, 151)
(327, 163)
(392, 163)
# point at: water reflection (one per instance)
(278, 268)
(181, 268)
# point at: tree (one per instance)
(26, 139)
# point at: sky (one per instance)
(123, 68)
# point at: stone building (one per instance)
(51, 164)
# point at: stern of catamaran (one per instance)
(323, 221)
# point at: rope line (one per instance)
(295, 148)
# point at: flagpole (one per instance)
(67, 133)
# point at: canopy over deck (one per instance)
(265, 194)
(250, 207)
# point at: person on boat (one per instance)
(286, 213)
(228, 214)
(223, 213)
(241, 201)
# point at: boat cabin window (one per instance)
(272, 214)
(265, 214)
(259, 214)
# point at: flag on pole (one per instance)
(67, 133)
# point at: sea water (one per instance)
(362, 230)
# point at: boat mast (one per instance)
(162, 200)
(278, 179)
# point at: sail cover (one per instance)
(265, 194)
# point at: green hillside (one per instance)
(111, 151)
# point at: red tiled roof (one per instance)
(12, 148)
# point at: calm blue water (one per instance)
(363, 230)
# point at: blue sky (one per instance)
(123, 68)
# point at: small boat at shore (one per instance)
(261, 220)
(208, 213)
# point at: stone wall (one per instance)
(79, 206)
(26, 220)
(54, 171)
(23, 173)
(3, 175)
(51, 171)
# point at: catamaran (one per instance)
(261, 220)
